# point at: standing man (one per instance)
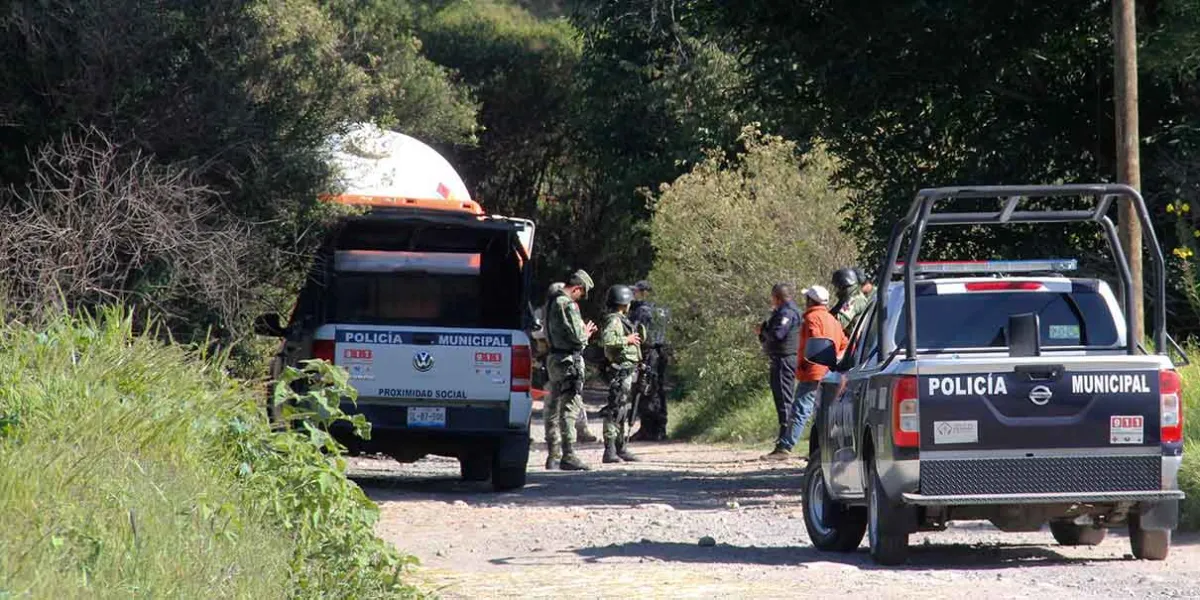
(651, 402)
(541, 350)
(568, 335)
(818, 322)
(623, 349)
(851, 301)
(780, 339)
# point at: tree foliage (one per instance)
(724, 233)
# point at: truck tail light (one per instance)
(323, 350)
(1170, 388)
(906, 417)
(522, 368)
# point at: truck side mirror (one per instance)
(269, 325)
(1024, 335)
(821, 351)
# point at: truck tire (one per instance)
(475, 467)
(508, 478)
(1070, 534)
(1148, 544)
(509, 464)
(887, 548)
(832, 526)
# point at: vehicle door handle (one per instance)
(424, 339)
(1040, 372)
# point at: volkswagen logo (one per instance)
(422, 361)
(1040, 395)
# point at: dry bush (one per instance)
(98, 225)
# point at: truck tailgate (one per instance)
(1040, 426)
(426, 363)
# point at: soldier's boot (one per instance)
(610, 451)
(553, 457)
(571, 462)
(623, 452)
(582, 434)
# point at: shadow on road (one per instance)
(681, 490)
(928, 557)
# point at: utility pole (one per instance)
(1125, 97)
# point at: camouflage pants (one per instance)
(620, 402)
(565, 400)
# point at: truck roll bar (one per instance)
(921, 214)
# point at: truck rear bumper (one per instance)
(467, 430)
(1052, 498)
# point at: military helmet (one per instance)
(844, 278)
(860, 276)
(619, 295)
(643, 286)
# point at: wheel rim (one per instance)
(817, 499)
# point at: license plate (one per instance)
(424, 416)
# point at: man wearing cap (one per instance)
(567, 334)
(780, 339)
(541, 351)
(652, 402)
(817, 322)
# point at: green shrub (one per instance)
(723, 235)
(1189, 476)
(132, 468)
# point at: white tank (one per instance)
(374, 162)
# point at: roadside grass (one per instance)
(135, 469)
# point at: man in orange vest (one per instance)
(816, 322)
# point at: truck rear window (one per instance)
(424, 299)
(980, 320)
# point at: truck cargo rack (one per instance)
(1011, 199)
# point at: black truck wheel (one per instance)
(832, 526)
(509, 464)
(475, 467)
(887, 548)
(1148, 544)
(1070, 534)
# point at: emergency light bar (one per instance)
(993, 266)
(378, 261)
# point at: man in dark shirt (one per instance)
(780, 339)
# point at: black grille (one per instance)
(1041, 475)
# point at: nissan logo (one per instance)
(422, 361)
(1040, 395)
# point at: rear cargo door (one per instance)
(426, 363)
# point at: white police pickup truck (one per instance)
(427, 311)
(1004, 391)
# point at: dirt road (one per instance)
(634, 530)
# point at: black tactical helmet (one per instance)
(860, 276)
(619, 295)
(844, 278)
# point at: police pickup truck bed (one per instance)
(996, 390)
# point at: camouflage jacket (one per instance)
(564, 324)
(849, 308)
(618, 327)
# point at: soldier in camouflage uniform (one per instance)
(542, 349)
(851, 301)
(651, 394)
(567, 335)
(622, 347)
